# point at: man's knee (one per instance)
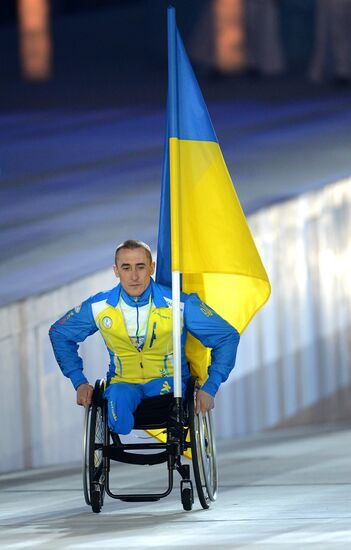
(120, 424)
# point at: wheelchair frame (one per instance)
(100, 446)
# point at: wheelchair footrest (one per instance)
(139, 499)
(121, 455)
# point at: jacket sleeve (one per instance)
(75, 326)
(213, 332)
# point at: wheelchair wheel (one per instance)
(93, 476)
(203, 450)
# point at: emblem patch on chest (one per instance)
(107, 322)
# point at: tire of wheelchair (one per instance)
(203, 449)
(187, 499)
(93, 482)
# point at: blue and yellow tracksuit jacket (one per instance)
(155, 358)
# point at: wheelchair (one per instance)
(183, 429)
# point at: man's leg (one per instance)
(161, 386)
(158, 386)
(122, 401)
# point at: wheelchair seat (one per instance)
(152, 413)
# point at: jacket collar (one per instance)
(134, 301)
(157, 296)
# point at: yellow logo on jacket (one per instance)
(206, 310)
(166, 388)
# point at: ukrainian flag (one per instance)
(203, 232)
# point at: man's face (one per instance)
(134, 270)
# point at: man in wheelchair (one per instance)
(135, 321)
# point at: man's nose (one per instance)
(134, 275)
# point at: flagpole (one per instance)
(174, 189)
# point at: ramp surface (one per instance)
(277, 490)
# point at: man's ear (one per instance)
(152, 268)
(115, 270)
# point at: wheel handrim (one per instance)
(206, 449)
(86, 439)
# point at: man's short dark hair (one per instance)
(130, 244)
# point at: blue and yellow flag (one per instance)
(203, 232)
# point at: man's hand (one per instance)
(84, 394)
(204, 402)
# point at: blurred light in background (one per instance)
(229, 35)
(35, 39)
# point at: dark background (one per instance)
(113, 52)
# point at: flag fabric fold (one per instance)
(203, 232)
